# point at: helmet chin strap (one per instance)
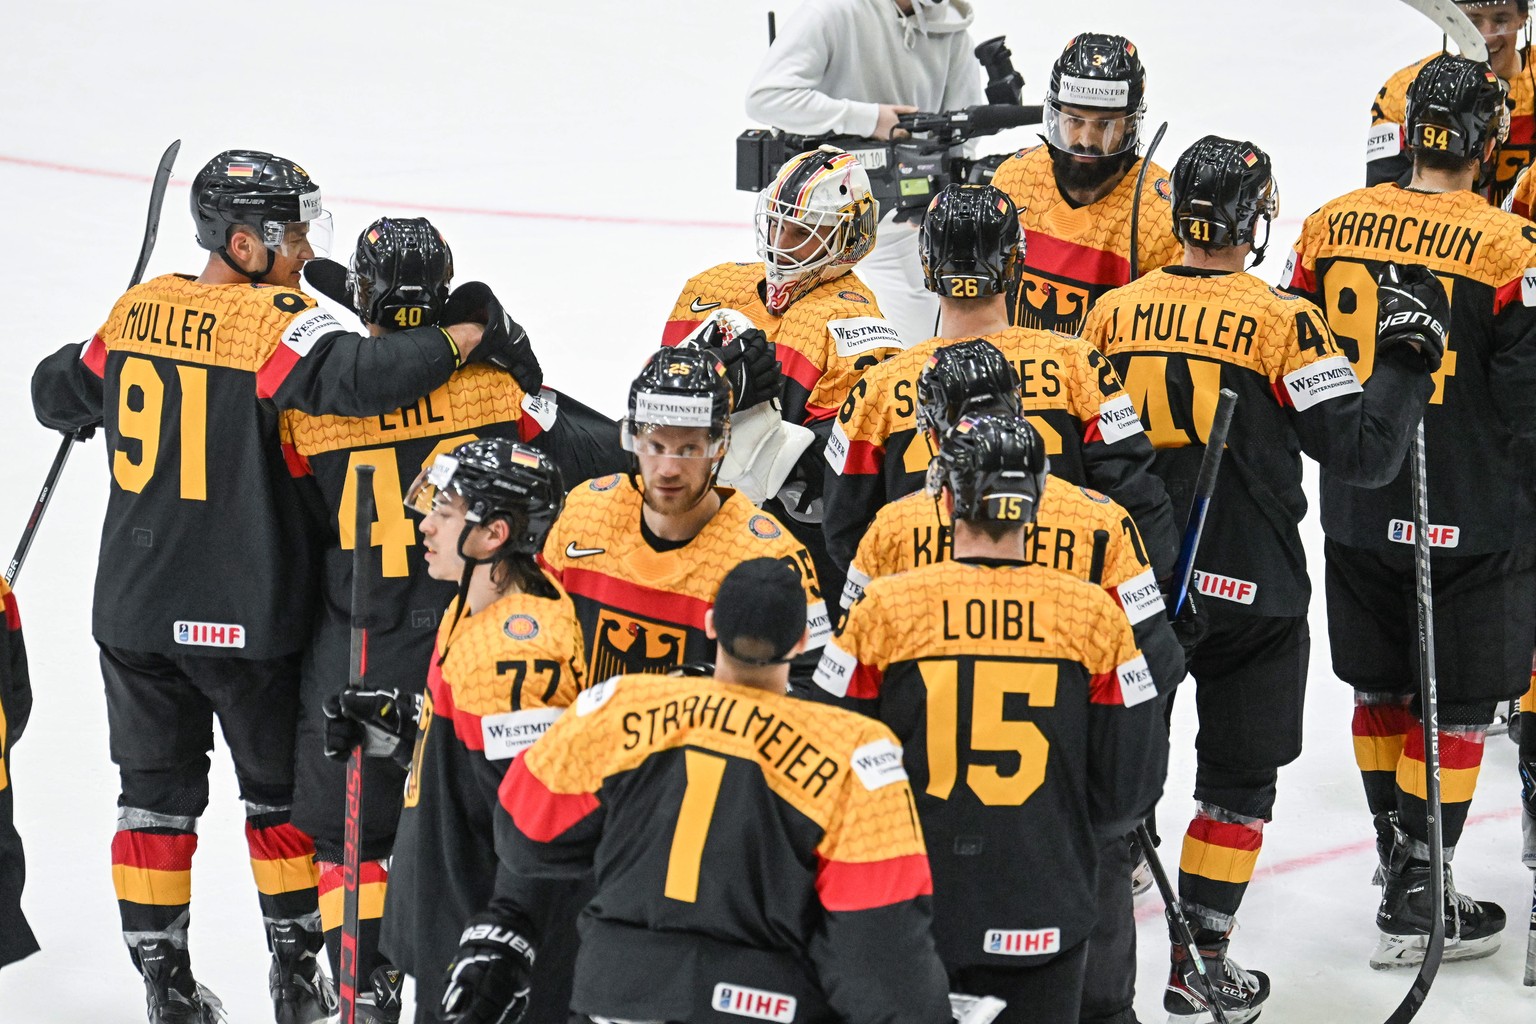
(254, 277)
(463, 594)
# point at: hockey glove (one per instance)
(752, 369)
(763, 452)
(1412, 309)
(1191, 624)
(505, 344)
(489, 978)
(381, 721)
(330, 279)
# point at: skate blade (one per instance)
(1207, 1017)
(1408, 950)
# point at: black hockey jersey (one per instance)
(206, 548)
(1178, 337)
(1485, 390)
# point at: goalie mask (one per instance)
(993, 468)
(814, 221)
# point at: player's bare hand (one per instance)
(885, 127)
(467, 337)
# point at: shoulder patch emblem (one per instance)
(521, 627)
(1280, 294)
(1093, 495)
(1163, 189)
(848, 296)
(763, 528)
(604, 483)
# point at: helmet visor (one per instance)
(1083, 131)
(646, 437)
(432, 484)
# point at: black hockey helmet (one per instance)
(1455, 106)
(1524, 6)
(963, 378)
(263, 192)
(994, 468)
(1098, 72)
(680, 387)
(1222, 188)
(400, 272)
(971, 245)
(498, 479)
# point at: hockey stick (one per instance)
(51, 481)
(1205, 487)
(1141, 180)
(352, 842)
(1429, 714)
(1453, 22)
(1530, 939)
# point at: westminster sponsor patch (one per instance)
(835, 669)
(309, 327)
(1093, 92)
(878, 764)
(853, 585)
(1118, 419)
(674, 410)
(509, 734)
(1528, 286)
(1383, 140)
(1136, 685)
(1320, 381)
(543, 407)
(836, 452)
(1140, 597)
(856, 335)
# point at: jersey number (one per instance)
(1146, 381)
(393, 532)
(1349, 298)
(139, 383)
(704, 774)
(990, 683)
(519, 670)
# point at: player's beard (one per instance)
(1090, 175)
(677, 504)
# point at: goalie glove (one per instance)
(489, 979)
(762, 452)
(504, 344)
(1412, 309)
(382, 722)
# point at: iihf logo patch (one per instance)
(1399, 530)
(763, 528)
(1163, 189)
(521, 627)
(182, 631)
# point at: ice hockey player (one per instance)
(1480, 508)
(399, 277)
(950, 656)
(1388, 148)
(508, 658)
(1075, 194)
(635, 778)
(971, 250)
(642, 553)
(205, 588)
(16, 939)
(1179, 336)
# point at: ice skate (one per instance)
(301, 991)
(1472, 927)
(172, 994)
(1242, 993)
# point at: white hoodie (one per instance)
(837, 60)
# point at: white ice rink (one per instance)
(579, 157)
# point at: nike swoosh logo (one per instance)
(702, 307)
(572, 551)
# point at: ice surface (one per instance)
(579, 157)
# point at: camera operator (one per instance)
(852, 67)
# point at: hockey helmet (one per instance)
(679, 387)
(272, 196)
(972, 244)
(1222, 188)
(400, 272)
(814, 221)
(965, 378)
(993, 467)
(1455, 106)
(497, 479)
(1101, 74)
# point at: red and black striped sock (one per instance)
(1220, 851)
(372, 884)
(1461, 757)
(1380, 725)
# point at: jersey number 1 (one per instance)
(704, 774)
(139, 383)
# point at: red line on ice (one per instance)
(590, 218)
(1154, 908)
